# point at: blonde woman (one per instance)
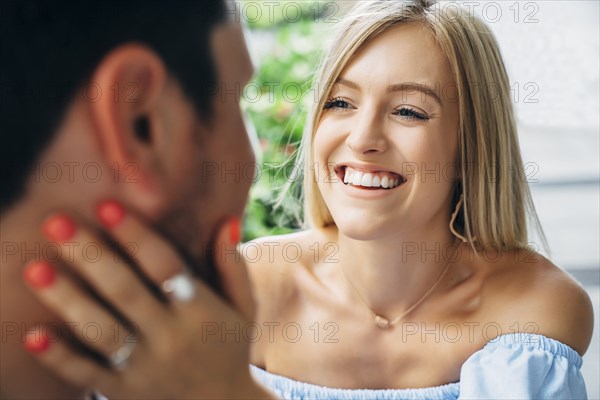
(414, 278)
(433, 288)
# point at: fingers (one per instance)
(106, 272)
(153, 254)
(73, 305)
(169, 334)
(233, 269)
(72, 367)
(208, 305)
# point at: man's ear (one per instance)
(132, 78)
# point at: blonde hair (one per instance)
(491, 176)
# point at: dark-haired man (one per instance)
(128, 100)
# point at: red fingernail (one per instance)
(39, 274)
(110, 213)
(235, 230)
(36, 342)
(58, 227)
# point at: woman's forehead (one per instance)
(403, 53)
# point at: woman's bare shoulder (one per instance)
(272, 263)
(273, 260)
(280, 250)
(528, 288)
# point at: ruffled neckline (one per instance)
(450, 390)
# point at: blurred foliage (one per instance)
(277, 101)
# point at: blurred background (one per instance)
(552, 52)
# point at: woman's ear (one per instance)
(132, 79)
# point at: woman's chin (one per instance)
(361, 229)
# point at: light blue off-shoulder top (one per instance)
(511, 366)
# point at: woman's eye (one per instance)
(411, 114)
(335, 103)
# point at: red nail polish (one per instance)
(110, 213)
(36, 342)
(39, 275)
(235, 230)
(58, 227)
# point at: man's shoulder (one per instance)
(530, 290)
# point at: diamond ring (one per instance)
(180, 287)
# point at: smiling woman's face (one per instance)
(391, 119)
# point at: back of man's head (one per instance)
(50, 49)
(66, 99)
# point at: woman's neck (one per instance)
(393, 273)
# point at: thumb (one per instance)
(233, 270)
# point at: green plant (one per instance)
(276, 101)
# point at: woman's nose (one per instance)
(367, 136)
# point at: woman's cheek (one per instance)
(323, 144)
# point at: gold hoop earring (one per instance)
(454, 214)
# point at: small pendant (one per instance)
(381, 322)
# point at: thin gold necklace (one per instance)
(385, 323)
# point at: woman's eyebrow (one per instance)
(346, 82)
(413, 86)
(398, 87)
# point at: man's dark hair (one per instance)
(51, 48)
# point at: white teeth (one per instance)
(367, 180)
(370, 179)
(385, 182)
(376, 181)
